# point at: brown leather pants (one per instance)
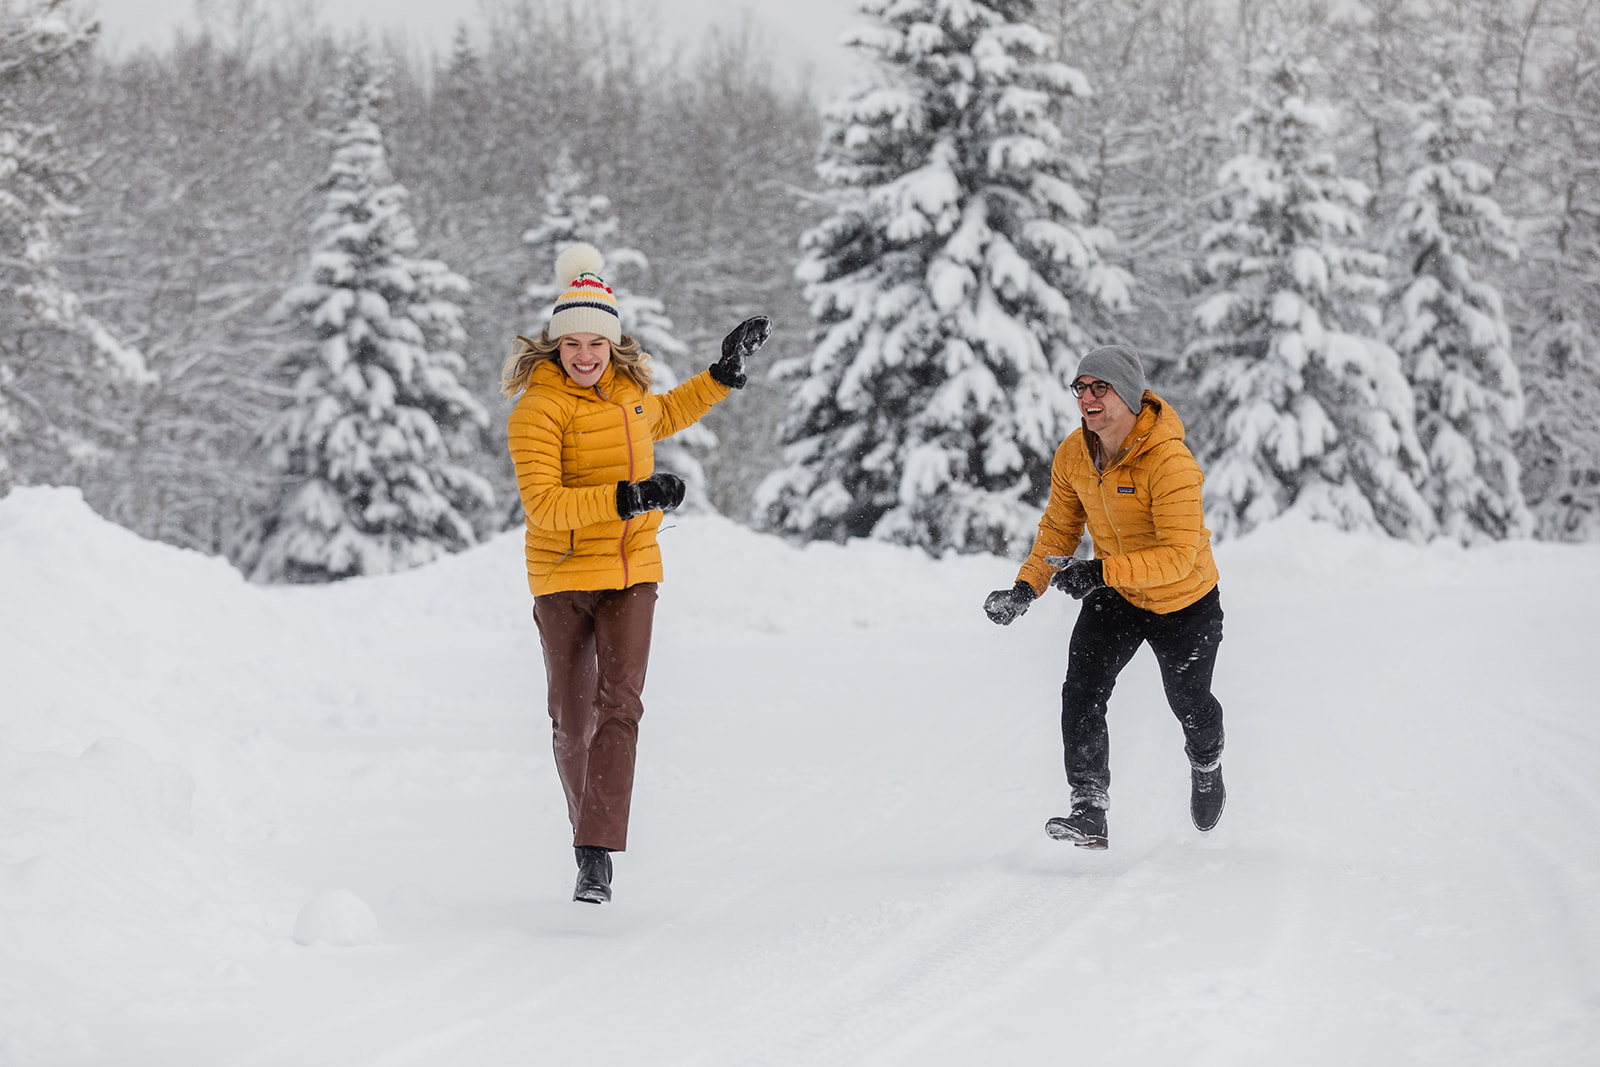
(596, 648)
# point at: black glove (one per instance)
(1006, 606)
(659, 492)
(1079, 577)
(745, 340)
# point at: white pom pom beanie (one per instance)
(586, 304)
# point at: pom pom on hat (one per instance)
(587, 304)
(576, 260)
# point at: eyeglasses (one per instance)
(1098, 389)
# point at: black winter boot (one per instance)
(1206, 795)
(594, 874)
(1085, 827)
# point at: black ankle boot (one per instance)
(1085, 827)
(594, 874)
(1206, 795)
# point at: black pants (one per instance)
(1109, 631)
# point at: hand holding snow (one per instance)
(1006, 606)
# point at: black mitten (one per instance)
(1079, 577)
(659, 492)
(1005, 606)
(742, 343)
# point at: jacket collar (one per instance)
(1156, 422)
(552, 373)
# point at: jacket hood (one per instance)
(1156, 424)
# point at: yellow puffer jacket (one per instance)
(1143, 513)
(571, 446)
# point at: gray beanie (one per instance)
(1119, 365)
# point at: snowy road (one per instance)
(838, 853)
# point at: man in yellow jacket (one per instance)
(1127, 476)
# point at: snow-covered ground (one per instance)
(320, 826)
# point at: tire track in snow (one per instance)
(1566, 882)
(326, 1031)
(985, 926)
(1223, 1001)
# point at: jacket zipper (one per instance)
(627, 435)
(1127, 453)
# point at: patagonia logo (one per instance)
(1124, 488)
(639, 410)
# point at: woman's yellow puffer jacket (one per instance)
(1143, 513)
(571, 446)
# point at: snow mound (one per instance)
(90, 613)
(105, 892)
(336, 918)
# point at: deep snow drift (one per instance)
(257, 826)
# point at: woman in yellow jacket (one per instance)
(1127, 476)
(581, 435)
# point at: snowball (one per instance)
(339, 918)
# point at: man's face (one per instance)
(1100, 412)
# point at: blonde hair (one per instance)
(526, 355)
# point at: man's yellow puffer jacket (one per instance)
(1143, 513)
(571, 446)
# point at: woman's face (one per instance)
(585, 357)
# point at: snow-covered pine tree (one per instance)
(957, 284)
(367, 449)
(572, 213)
(43, 380)
(1302, 407)
(1562, 435)
(1558, 161)
(1450, 328)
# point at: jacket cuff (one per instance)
(1025, 578)
(728, 376)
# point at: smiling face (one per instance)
(1107, 417)
(585, 357)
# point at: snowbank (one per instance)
(256, 825)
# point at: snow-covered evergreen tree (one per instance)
(367, 449)
(957, 285)
(1563, 433)
(1450, 328)
(43, 381)
(1302, 406)
(1559, 299)
(572, 213)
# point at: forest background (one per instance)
(189, 179)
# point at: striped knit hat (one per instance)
(587, 304)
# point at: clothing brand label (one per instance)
(1124, 488)
(639, 410)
